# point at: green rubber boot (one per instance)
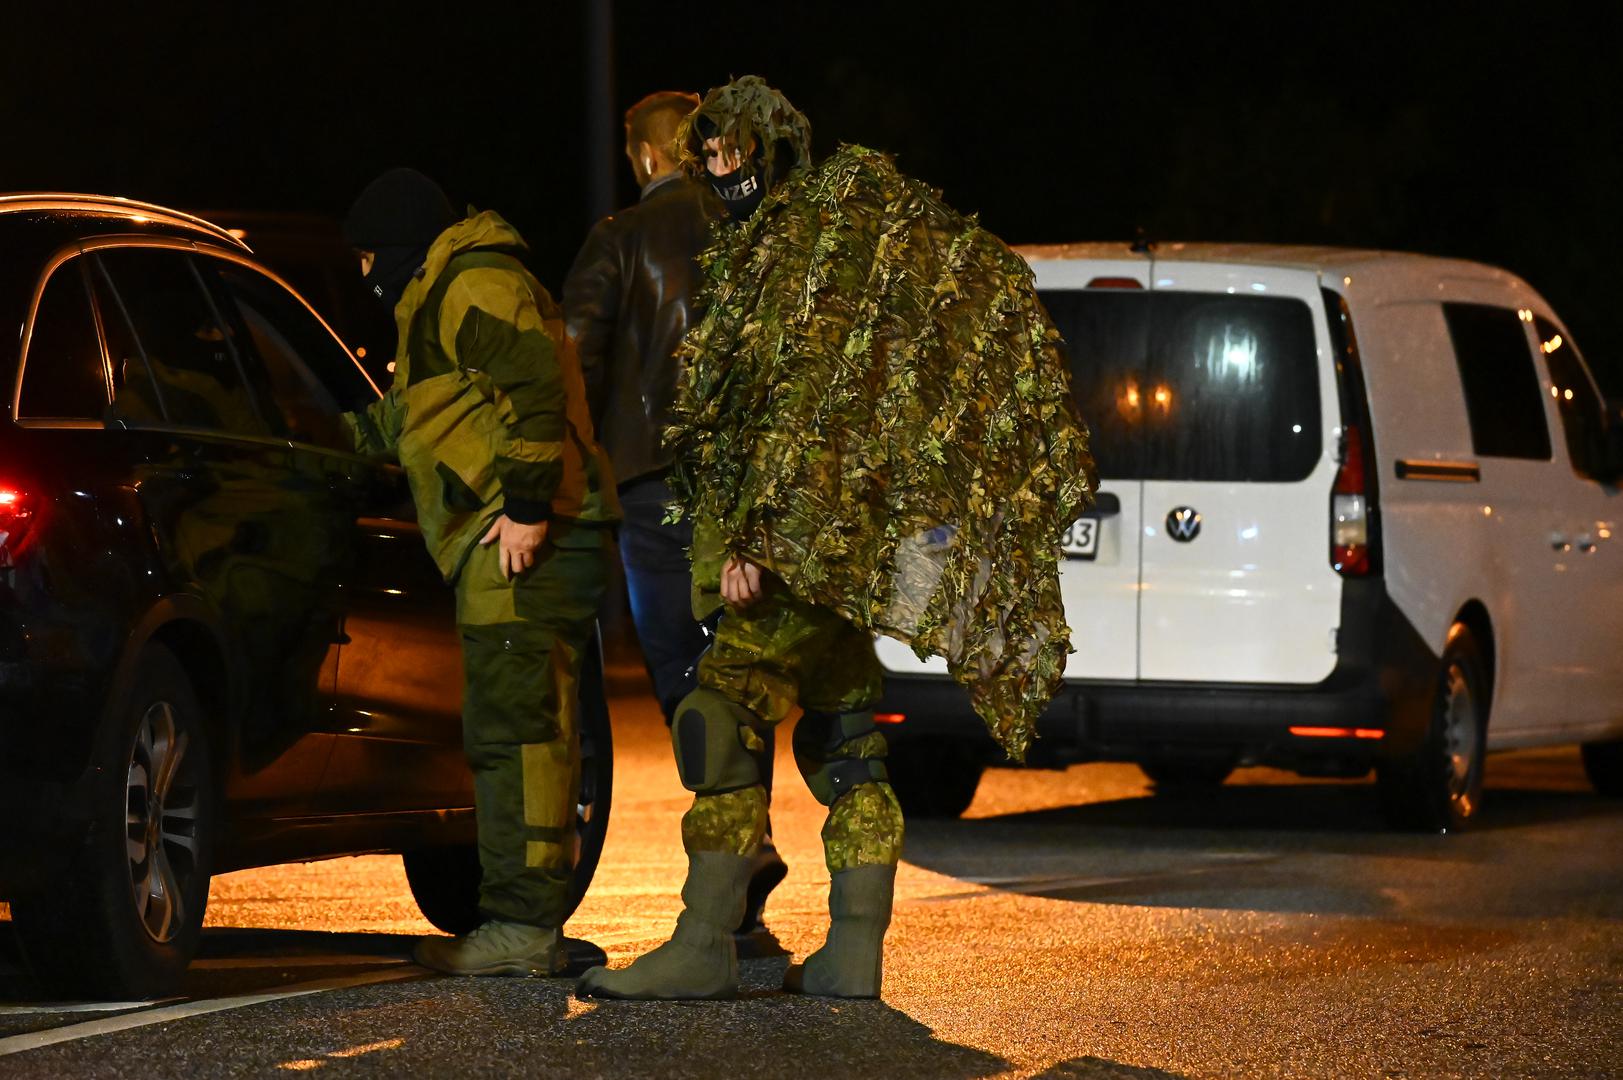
(496, 948)
(701, 960)
(851, 962)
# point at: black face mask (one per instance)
(741, 194)
(392, 270)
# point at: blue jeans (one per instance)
(659, 583)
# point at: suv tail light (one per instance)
(1349, 509)
(16, 522)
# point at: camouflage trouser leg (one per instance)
(522, 646)
(769, 657)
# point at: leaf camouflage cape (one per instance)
(875, 408)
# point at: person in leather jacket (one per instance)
(628, 302)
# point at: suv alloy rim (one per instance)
(1459, 737)
(160, 823)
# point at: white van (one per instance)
(1358, 509)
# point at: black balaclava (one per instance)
(741, 190)
(396, 218)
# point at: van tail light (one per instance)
(1349, 509)
(17, 516)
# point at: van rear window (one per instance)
(1194, 386)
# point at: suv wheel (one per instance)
(933, 778)
(1603, 761)
(1438, 787)
(124, 919)
(1175, 774)
(445, 880)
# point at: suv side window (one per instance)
(1502, 397)
(1582, 414)
(199, 374)
(64, 377)
(312, 376)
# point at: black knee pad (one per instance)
(708, 738)
(820, 741)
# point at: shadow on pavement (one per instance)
(1338, 808)
(232, 942)
(764, 1033)
(1287, 848)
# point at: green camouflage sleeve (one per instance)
(490, 326)
(375, 431)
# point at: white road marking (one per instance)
(81, 1007)
(16, 1044)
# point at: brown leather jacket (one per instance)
(627, 302)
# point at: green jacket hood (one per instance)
(485, 229)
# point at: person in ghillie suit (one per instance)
(875, 433)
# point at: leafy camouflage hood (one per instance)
(748, 110)
(875, 407)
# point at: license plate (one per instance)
(1081, 540)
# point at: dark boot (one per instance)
(767, 871)
(700, 960)
(851, 962)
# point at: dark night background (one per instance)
(1485, 131)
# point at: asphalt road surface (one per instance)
(1072, 926)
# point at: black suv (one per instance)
(222, 641)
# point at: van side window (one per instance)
(1501, 384)
(64, 377)
(1582, 415)
(173, 328)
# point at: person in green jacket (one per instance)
(487, 415)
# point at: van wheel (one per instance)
(1603, 761)
(933, 778)
(1174, 774)
(1438, 787)
(445, 880)
(124, 919)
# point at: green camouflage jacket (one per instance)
(875, 408)
(487, 409)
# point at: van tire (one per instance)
(1603, 761)
(87, 935)
(1438, 786)
(933, 778)
(1174, 774)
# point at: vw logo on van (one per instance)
(1183, 523)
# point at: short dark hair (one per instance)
(654, 119)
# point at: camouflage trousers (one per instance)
(522, 646)
(778, 653)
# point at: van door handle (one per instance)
(1105, 504)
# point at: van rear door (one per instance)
(1240, 431)
(1101, 308)
(1105, 327)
